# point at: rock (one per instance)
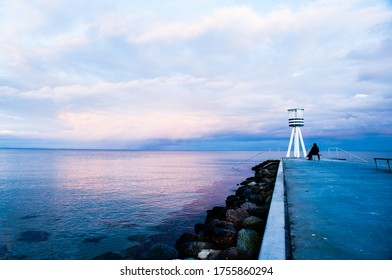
(249, 241)
(209, 227)
(231, 198)
(243, 192)
(244, 183)
(263, 185)
(9, 256)
(131, 253)
(236, 216)
(268, 181)
(234, 253)
(186, 237)
(31, 236)
(268, 199)
(217, 212)
(138, 238)
(251, 184)
(259, 211)
(265, 172)
(223, 234)
(256, 199)
(208, 254)
(28, 217)
(254, 223)
(162, 251)
(3, 251)
(192, 249)
(93, 239)
(255, 190)
(199, 228)
(248, 205)
(233, 201)
(109, 256)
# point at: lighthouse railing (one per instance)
(337, 150)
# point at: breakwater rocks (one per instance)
(234, 231)
(231, 232)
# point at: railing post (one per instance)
(350, 154)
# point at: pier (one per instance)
(329, 210)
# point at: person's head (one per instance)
(314, 145)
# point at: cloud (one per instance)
(360, 96)
(173, 108)
(7, 132)
(227, 21)
(151, 125)
(140, 72)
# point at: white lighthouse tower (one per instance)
(296, 120)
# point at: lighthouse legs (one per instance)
(291, 142)
(302, 142)
(296, 137)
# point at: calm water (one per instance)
(91, 202)
(114, 199)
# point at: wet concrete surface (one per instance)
(338, 210)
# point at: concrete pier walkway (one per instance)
(337, 210)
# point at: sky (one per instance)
(195, 74)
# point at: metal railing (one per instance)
(337, 150)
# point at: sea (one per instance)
(80, 204)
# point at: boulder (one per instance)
(233, 201)
(265, 172)
(268, 199)
(243, 192)
(28, 217)
(250, 241)
(31, 236)
(192, 249)
(223, 234)
(132, 253)
(254, 223)
(236, 216)
(208, 254)
(94, 240)
(268, 181)
(259, 211)
(3, 251)
(256, 199)
(234, 253)
(218, 212)
(199, 228)
(209, 227)
(162, 251)
(109, 256)
(186, 237)
(255, 190)
(140, 238)
(248, 205)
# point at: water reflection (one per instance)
(107, 196)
